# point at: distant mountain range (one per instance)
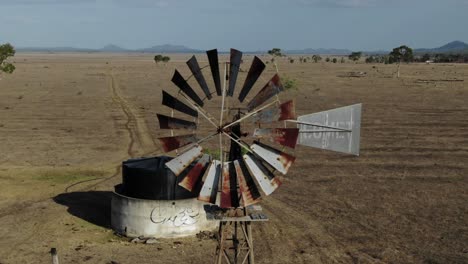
(452, 47)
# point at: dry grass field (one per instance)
(67, 121)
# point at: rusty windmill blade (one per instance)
(175, 142)
(265, 178)
(209, 191)
(229, 196)
(285, 111)
(255, 71)
(284, 136)
(179, 163)
(194, 175)
(179, 80)
(272, 88)
(167, 122)
(174, 103)
(247, 188)
(196, 71)
(214, 66)
(234, 65)
(277, 159)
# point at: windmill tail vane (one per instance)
(242, 179)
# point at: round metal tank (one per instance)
(174, 213)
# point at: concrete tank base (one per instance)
(134, 217)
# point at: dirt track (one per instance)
(67, 121)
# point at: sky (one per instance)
(248, 25)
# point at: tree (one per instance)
(334, 60)
(327, 59)
(275, 52)
(166, 59)
(401, 54)
(316, 58)
(6, 51)
(342, 60)
(158, 58)
(355, 56)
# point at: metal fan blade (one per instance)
(277, 159)
(171, 143)
(285, 111)
(272, 88)
(174, 103)
(229, 197)
(196, 71)
(214, 66)
(337, 129)
(235, 61)
(255, 71)
(209, 190)
(247, 187)
(284, 136)
(179, 80)
(265, 178)
(194, 175)
(179, 163)
(167, 122)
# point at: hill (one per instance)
(452, 47)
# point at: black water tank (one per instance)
(149, 178)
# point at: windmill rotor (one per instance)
(232, 143)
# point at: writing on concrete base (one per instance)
(175, 216)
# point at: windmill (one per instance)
(255, 135)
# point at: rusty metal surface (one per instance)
(345, 138)
(194, 176)
(229, 197)
(175, 142)
(249, 191)
(234, 65)
(255, 71)
(196, 71)
(179, 163)
(285, 111)
(284, 136)
(179, 80)
(174, 103)
(209, 190)
(265, 178)
(272, 88)
(214, 66)
(167, 122)
(277, 159)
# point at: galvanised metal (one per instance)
(214, 66)
(196, 173)
(174, 103)
(209, 191)
(265, 178)
(284, 136)
(337, 129)
(178, 80)
(272, 88)
(277, 159)
(249, 191)
(255, 71)
(175, 142)
(196, 71)
(167, 122)
(179, 163)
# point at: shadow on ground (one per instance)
(92, 206)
